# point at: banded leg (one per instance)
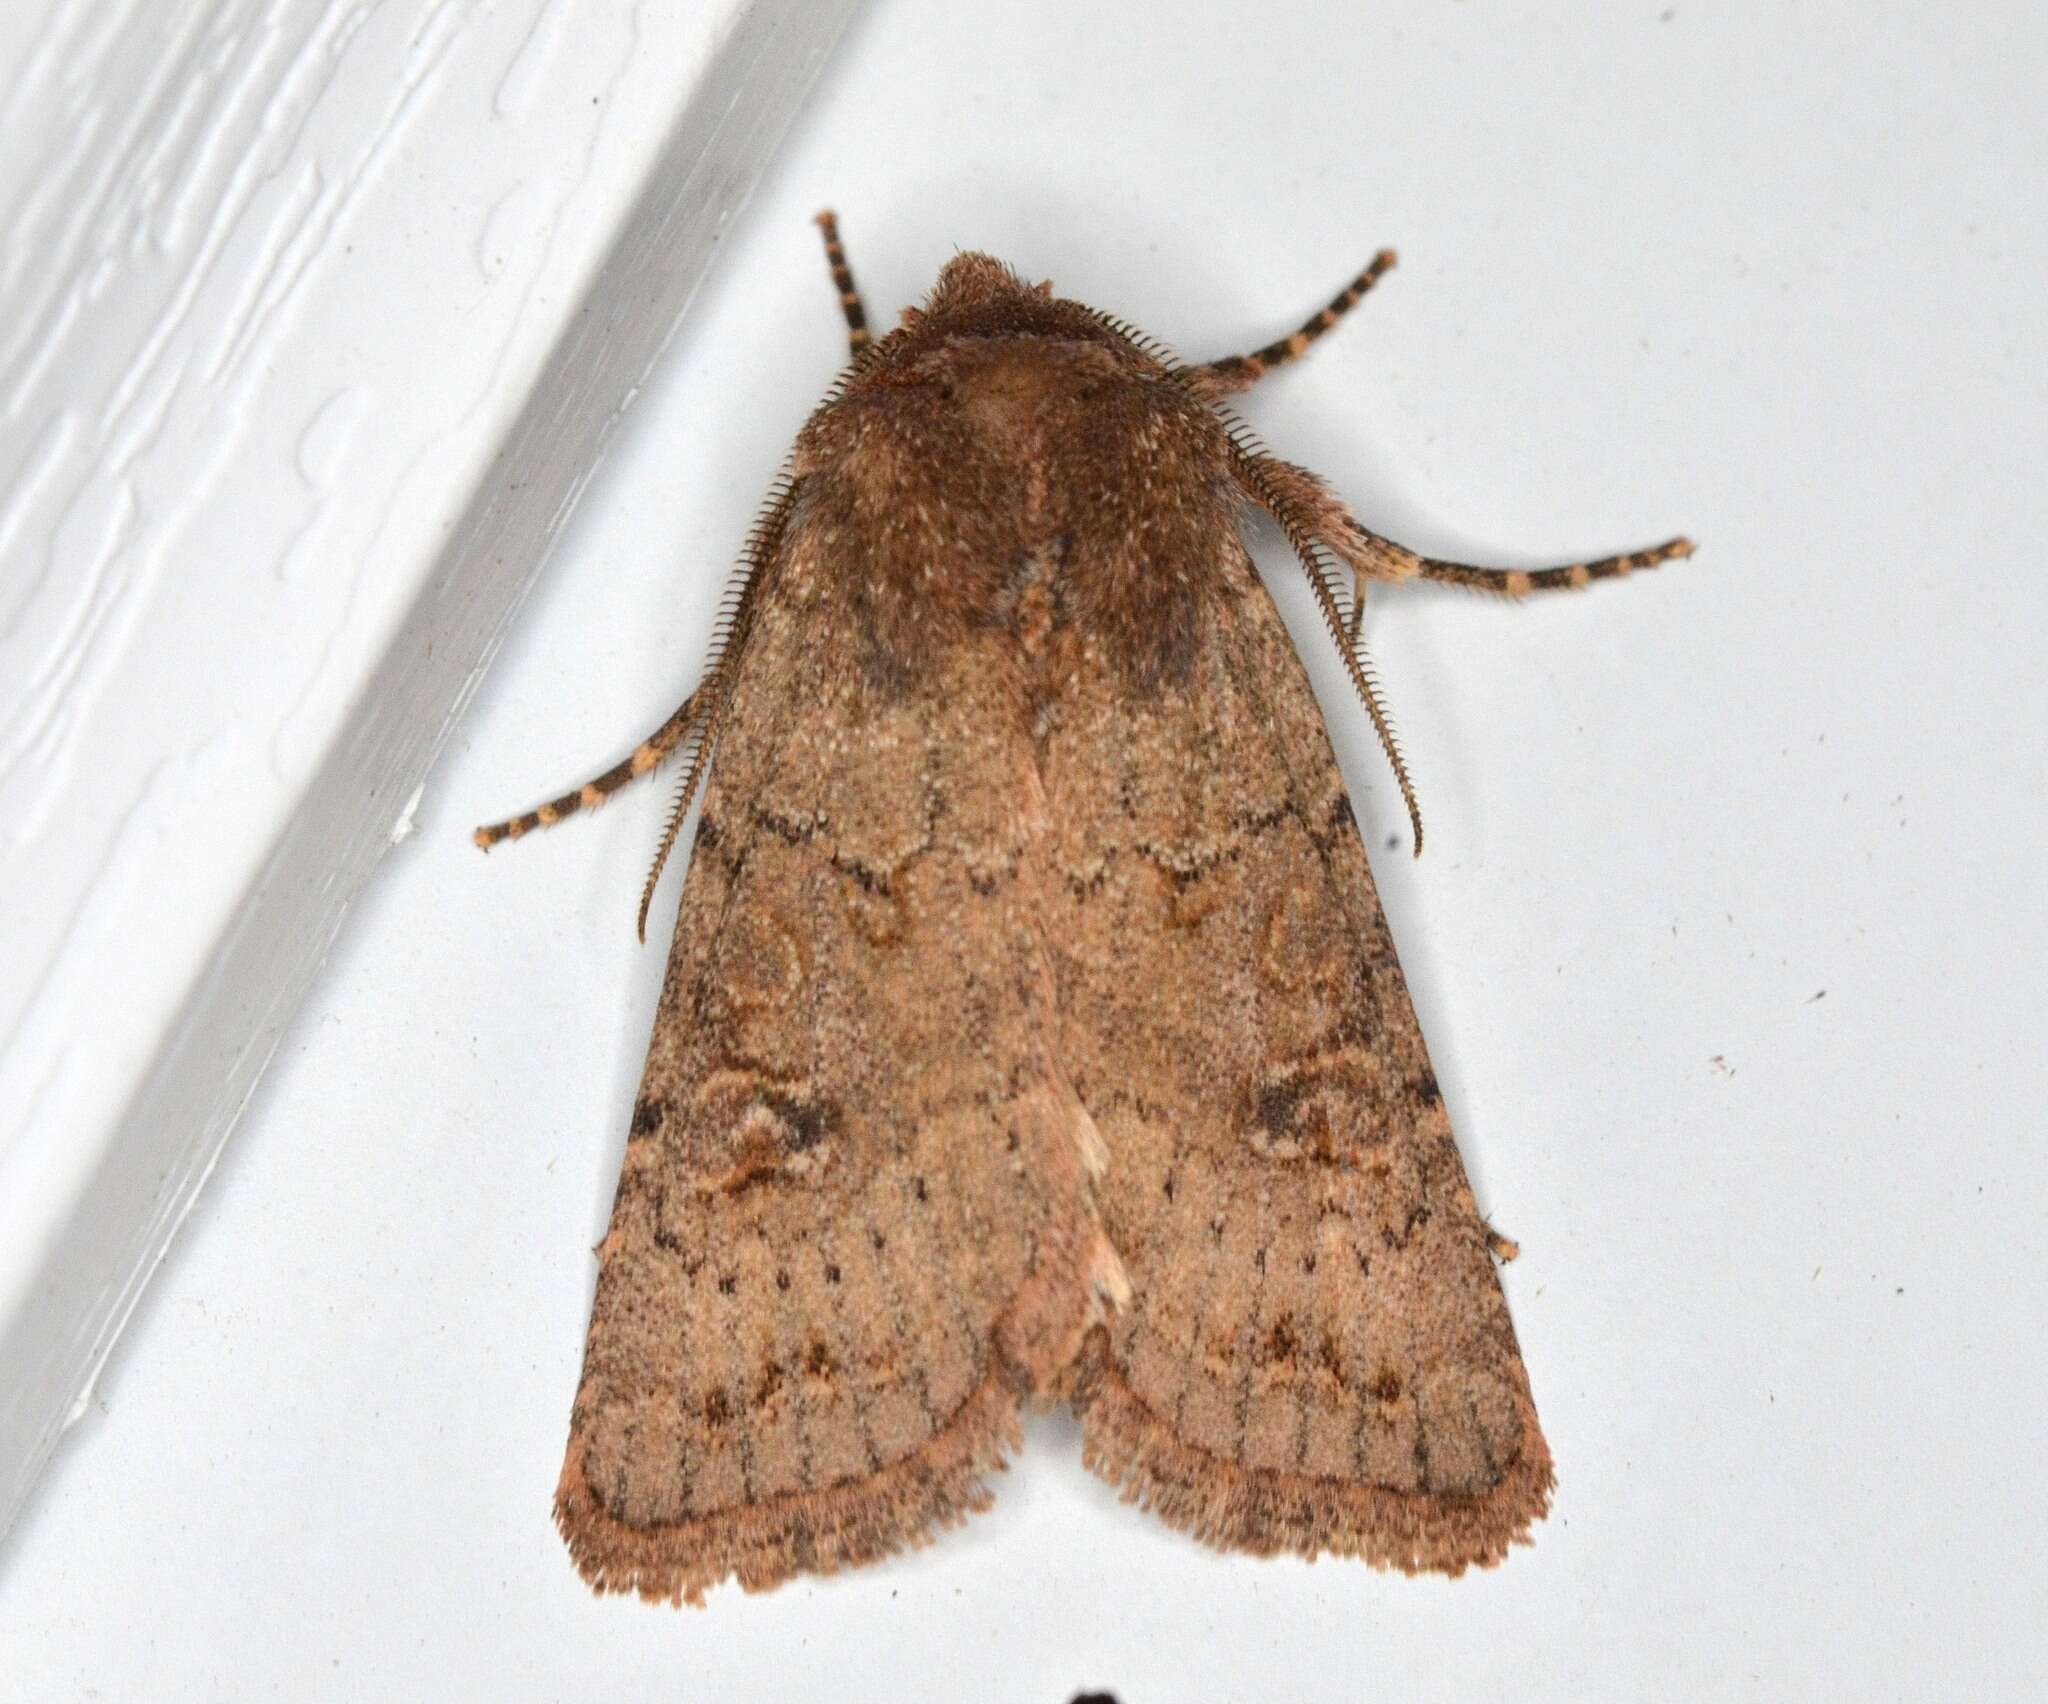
(1321, 513)
(647, 757)
(1398, 562)
(857, 338)
(1234, 373)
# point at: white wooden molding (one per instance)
(318, 316)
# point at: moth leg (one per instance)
(1398, 562)
(1300, 499)
(647, 757)
(1234, 373)
(857, 338)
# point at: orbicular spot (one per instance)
(761, 961)
(1300, 940)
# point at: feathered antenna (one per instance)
(734, 626)
(1325, 578)
(1144, 342)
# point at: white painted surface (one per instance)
(317, 316)
(1767, 274)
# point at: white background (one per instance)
(1727, 943)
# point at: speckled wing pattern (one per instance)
(1008, 1055)
(1316, 1354)
(1032, 1030)
(853, 1228)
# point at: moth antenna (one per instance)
(728, 644)
(677, 812)
(1348, 644)
(1142, 341)
(1322, 570)
(858, 339)
(1247, 441)
(1240, 372)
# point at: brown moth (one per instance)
(1032, 1031)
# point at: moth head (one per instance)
(986, 280)
(977, 300)
(969, 281)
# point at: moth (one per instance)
(1032, 1032)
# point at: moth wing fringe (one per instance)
(903, 1506)
(1267, 1512)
